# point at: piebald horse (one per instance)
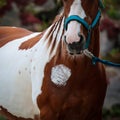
(46, 75)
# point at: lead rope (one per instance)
(96, 59)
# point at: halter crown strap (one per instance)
(96, 19)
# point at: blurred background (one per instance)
(36, 15)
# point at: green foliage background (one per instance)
(113, 8)
(2, 3)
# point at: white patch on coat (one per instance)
(60, 74)
(74, 27)
(15, 84)
(22, 73)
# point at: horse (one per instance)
(48, 75)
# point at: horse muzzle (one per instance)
(75, 47)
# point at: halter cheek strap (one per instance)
(85, 24)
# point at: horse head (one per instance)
(81, 18)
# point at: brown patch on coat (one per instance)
(8, 34)
(31, 42)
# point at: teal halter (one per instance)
(89, 29)
(85, 24)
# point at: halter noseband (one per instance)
(84, 23)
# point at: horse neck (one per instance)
(52, 36)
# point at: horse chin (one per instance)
(74, 53)
(75, 49)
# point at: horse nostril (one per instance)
(81, 37)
